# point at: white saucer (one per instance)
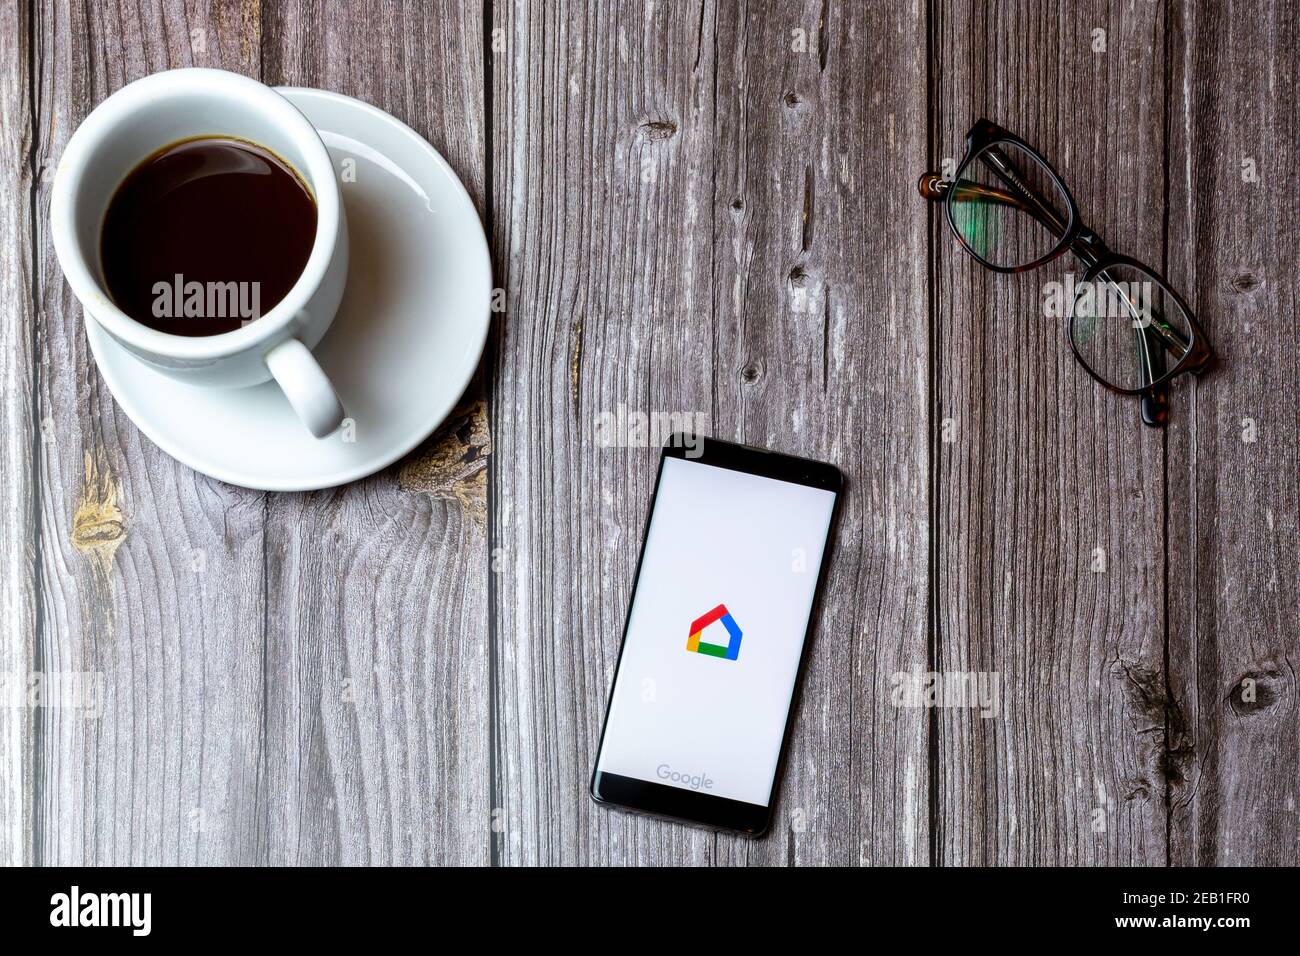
(402, 349)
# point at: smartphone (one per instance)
(735, 550)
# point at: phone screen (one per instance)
(716, 630)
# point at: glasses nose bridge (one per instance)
(1089, 247)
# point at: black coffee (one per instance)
(206, 235)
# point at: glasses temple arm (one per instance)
(996, 160)
(1151, 367)
(935, 188)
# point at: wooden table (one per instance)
(707, 208)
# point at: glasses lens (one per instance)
(1128, 328)
(1006, 207)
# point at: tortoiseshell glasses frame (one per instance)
(1156, 341)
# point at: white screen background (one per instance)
(717, 537)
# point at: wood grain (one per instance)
(1234, 490)
(820, 311)
(377, 664)
(602, 196)
(150, 574)
(678, 193)
(20, 420)
(286, 678)
(1043, 467)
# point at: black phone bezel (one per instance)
(690, 806)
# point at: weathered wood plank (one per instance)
(151, 575)
(821, 307)
(223, 682)
(1040, 473)
(18, 418)
(610, 303)
(377, 729)
(1234, 606)
(603, 127)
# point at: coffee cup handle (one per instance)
(306, 386)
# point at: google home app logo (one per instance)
(719, 614)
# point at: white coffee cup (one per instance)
(154, 112)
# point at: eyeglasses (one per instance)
(1128, 328)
